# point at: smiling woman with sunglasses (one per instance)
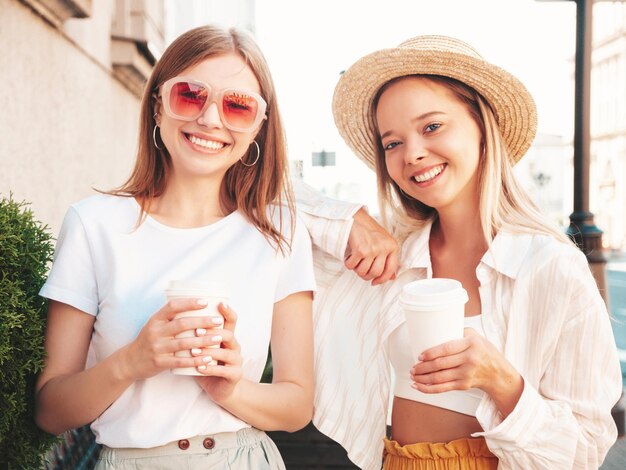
(208, 200)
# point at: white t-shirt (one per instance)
(107, 266)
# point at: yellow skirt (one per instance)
(460, 454)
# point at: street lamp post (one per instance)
(582, 228)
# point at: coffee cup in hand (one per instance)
(435, 312)
(212, 292)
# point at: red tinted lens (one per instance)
(239, 109)
(187, 99)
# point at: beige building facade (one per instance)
(72, 72)
(608, 122)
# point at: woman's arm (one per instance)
(285, 404)
(563, 417)
(372, 252)
(69, 396)
(559, 414)
(347, 232)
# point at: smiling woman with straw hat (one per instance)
(532, 382)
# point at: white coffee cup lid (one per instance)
(200, 288)
(434, 293)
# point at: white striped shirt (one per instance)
(541, 309)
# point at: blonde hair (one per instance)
(251, 189)
(503, 203)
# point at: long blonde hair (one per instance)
(503, 203)
(251, 189)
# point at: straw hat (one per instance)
(511, 102)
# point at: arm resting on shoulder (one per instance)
(348, 233)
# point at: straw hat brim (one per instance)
(513, 106)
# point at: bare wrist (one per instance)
(120, 365)
(507, 390)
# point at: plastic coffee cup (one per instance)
(212, 291)
(434, 311)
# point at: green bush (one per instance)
(26, 248)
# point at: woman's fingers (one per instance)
(224, 357)
(376, 269)
(364, 267)
(438, 377)
(211, 338)
(197, 325)
(176, 306)
(389, 271)
(445, 349)
(370, 248)
(230, 317)
(457, 365)
(440, 363)
(440, 387)
(231, 374)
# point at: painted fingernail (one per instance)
(216, 320)
(200, 331)
(207, 359)
(421, 357)
(201, 367)
(216, 339)
(203, 302)
(196, 351)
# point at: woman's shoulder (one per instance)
(551, 249)
(102, 201)
(105, 208)
(548, 258)
(285, 219)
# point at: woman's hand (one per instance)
(221, 379)
(153, 350)
(372, 252)
(470, 362)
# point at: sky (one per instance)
(308, 44)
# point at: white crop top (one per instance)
(461, 401)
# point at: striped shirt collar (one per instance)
(505, 255)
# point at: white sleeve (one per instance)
(297, 271)
(565, 420)
(327, 220)
(72, 278)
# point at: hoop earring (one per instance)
(258, 154)
(154, 137)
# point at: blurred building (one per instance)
(547, 173)
(547, 170)
(72, 72)
(182, 15)
(608, 122)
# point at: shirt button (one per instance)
(482, 273)
(208, 443)
(183, 444)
